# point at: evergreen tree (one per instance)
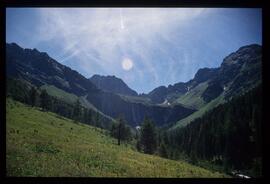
(120, 130)
(163, 150)
(138, 145)
(229, 134)
(97, 120)
(148, 136)
(193, 158)
(45, 100)
(128, 134)
(114, 130)
(88, 116)
(77, 111)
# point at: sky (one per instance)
(145, 47)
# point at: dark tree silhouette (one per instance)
(33, 96)
(120, 130)
(148, 136)
(77, 111)
(45, 102)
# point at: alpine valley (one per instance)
(193, 119)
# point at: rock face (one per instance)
(39, 69)
(112, 84)
(114, 106)
(205, 74)
(158, 94)
(241, 70)
(238, 72)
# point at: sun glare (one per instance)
(127, 64)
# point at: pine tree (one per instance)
(138, 145)
(44, 100)
(148, 136)
(77, 111)
(89, 116)
(163, 150)
(114, 130)
(97, 120)
(120, 130)
(127, 133)
(86, 115)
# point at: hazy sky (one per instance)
(146, 47)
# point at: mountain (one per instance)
(112, 84)
(238, 72)
(114, 105)
(43, 71)
(158, 95)
(241, 70)
(39, 69)
(181, 102)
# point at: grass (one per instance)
(70, 98)
(199, 113)
(193, 98)
(136, 99)
(46, 144)
(59, 93)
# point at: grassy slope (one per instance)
(45, 144)
(136, 99)
(193, 98)
(70, 98)
(199, 113)
(54, 91)
(67, 97)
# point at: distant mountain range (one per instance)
(41, 70)
(239, 72)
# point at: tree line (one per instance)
(148, 137)
(33, 96)
(27, 93)
(229, 135)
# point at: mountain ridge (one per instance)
(29, 65)
(112, 84)
(35, 66)
(238, 72)
(218, 78)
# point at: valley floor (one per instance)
(46, 144)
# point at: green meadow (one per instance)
(45, 144)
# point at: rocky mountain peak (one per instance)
(112, 84)
(243, 54)
(204, 74)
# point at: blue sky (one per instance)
(146, 47)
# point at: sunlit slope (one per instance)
(70, 98)
(185, 121)
(194, 98)
(45, 144)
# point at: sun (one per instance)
(127, 64)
